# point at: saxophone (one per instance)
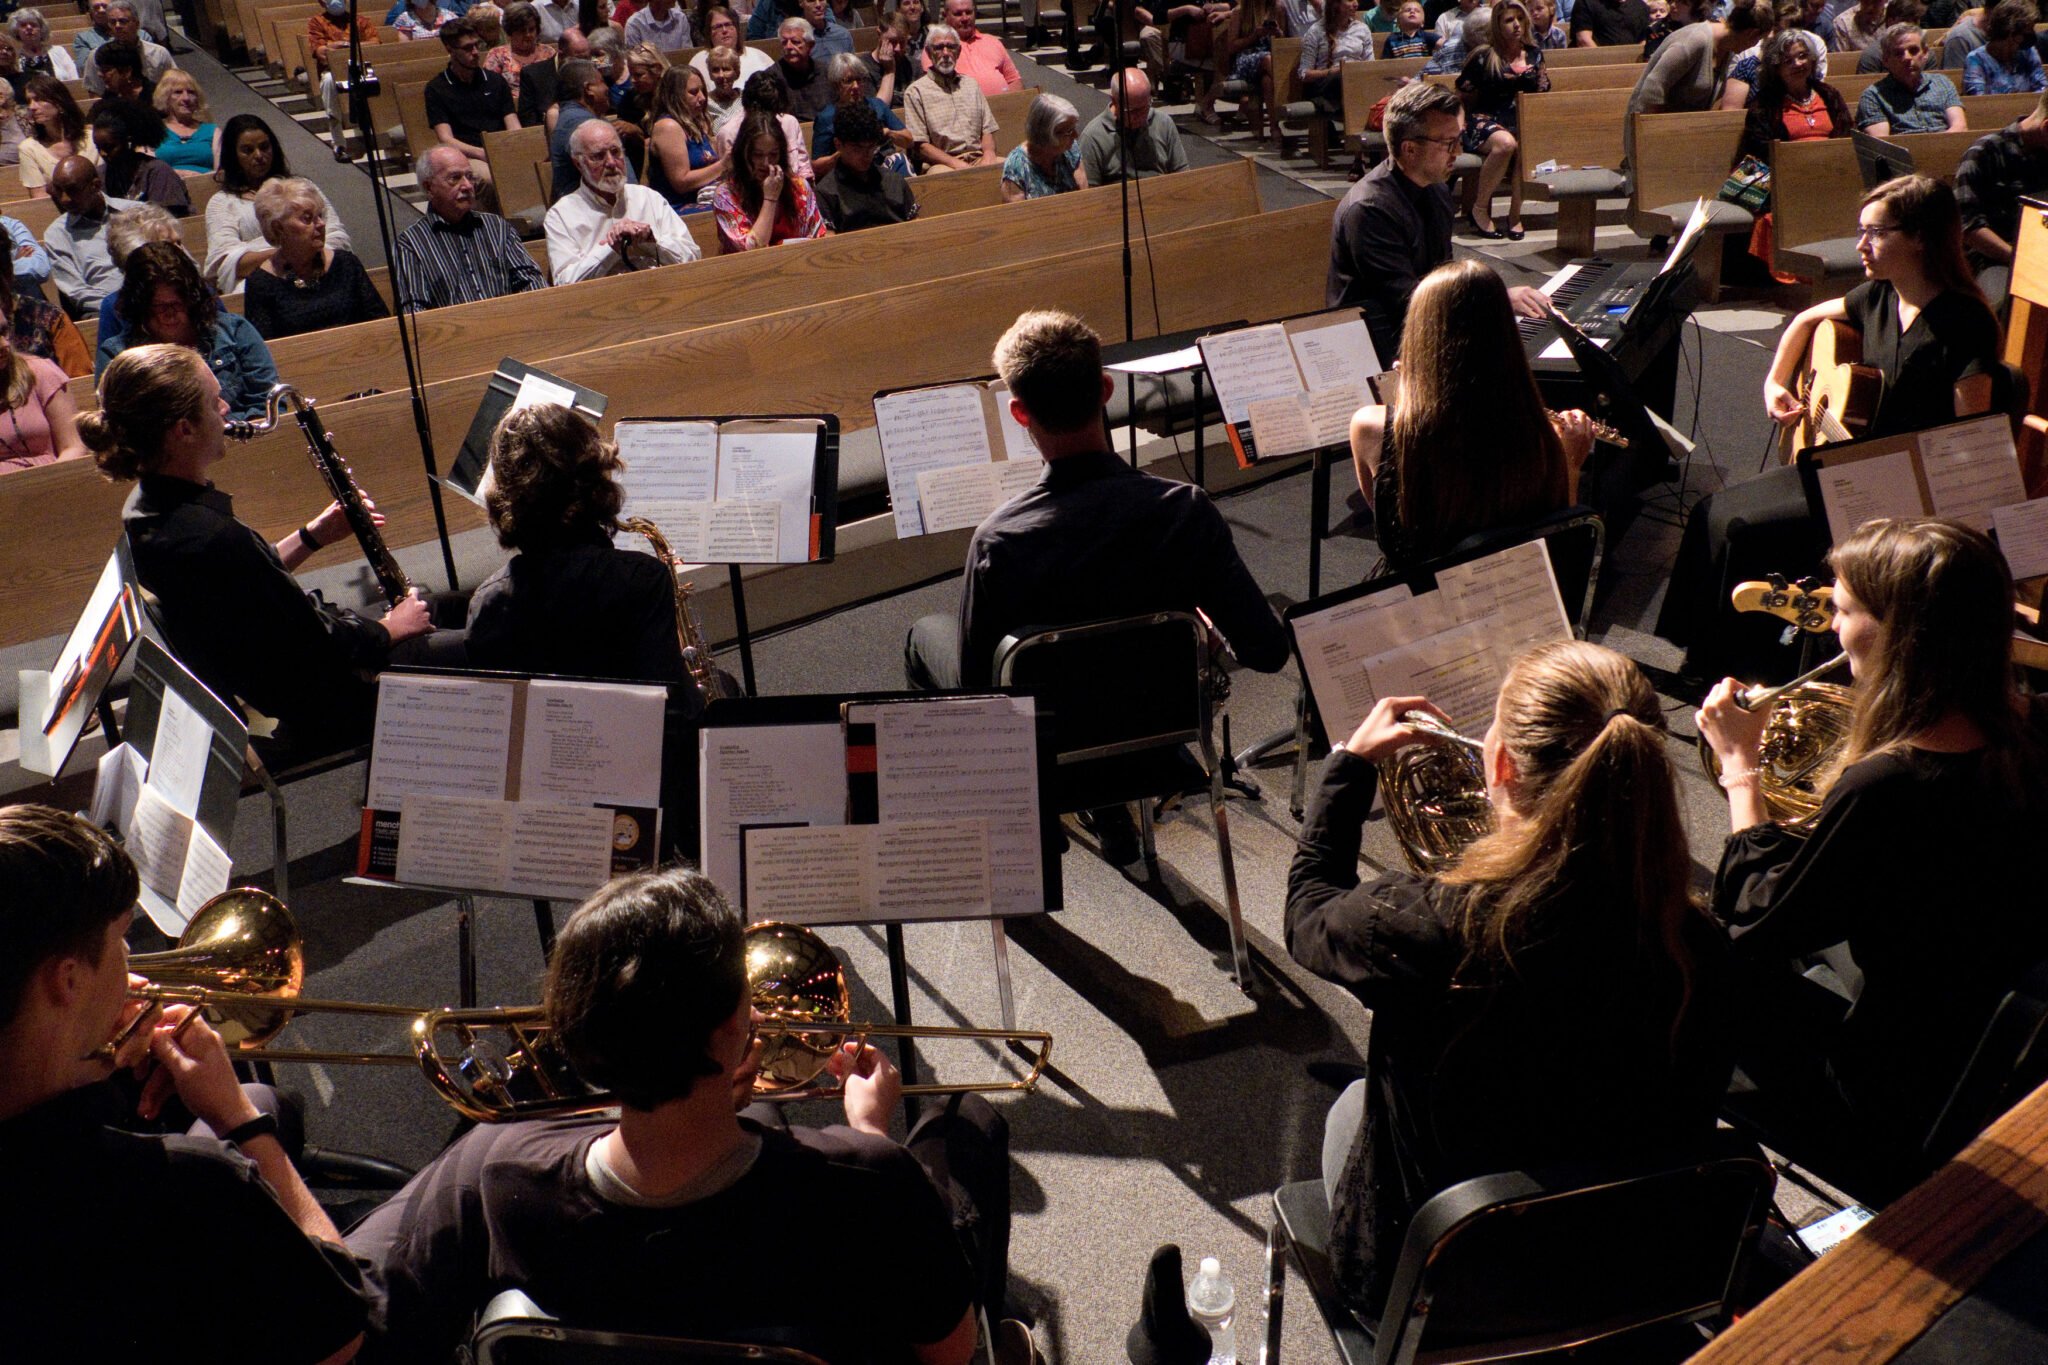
(340, 481)
(696, 652)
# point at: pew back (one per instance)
(1599, 76)
(1365, 83)
(1681, 157)
(1574, 128)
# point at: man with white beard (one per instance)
(607, 225)
(948, 116)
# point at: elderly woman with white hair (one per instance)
(31, 33)
(127, 230)
(1049, 159)
(306, 285)
(851, 78)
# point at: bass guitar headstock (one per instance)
(1806, 604)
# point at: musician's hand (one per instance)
(1783, 405)
(873, 1086)
(1528, 302)
(1736, 736)
(1575, 433)
(332, 523)
(193, 1062)
(749, 1068)
(1383, 731)
(409, 619)
(135, 1051)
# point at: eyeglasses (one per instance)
(1453, 140)
(1866, 234)
(942, 47)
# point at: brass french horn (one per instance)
(1435, 797)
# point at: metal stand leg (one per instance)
(1298, 798)
(544, 924)
(1240, 952)
(739, 622)
(1276, 1292)
(899, 990)
(280, 859)
(1201, 474)
(999, 938)
(465, 950)
(1147, 843)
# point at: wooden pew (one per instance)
(977, 187)
(1010, 109)
(2026, 338)
(1989, 113)
(1680, 159)
(251, 16)
(57, 521)
(1597, 76)
(1851, 84)
(1938, 154)
(471, 339)
(513, 157)
(1578, 129)
(1623, 54)
(1365, 84)
(37, 214)
(1816, 188)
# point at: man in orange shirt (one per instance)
(324, 30)
(982, 55)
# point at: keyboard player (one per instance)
(1394, 226)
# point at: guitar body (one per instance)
(1838, 393)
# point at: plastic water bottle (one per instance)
(1211, 1303)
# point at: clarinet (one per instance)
(340, 481)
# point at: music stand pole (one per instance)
(739, 622)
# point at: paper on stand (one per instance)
(207, 870)
(558, 852)
(1972, 468)
(534, 390)
(177, 757)
(916, 869)
(1856, 491)
(667, 465)
(1457, 669)
(923, 429)
(2023, 536)
(1250, 364)
(964, 495)
(1513, 594)
(116, 787)
(440, 736)
(777, 467)
(1017, 442)
(591, 744)
(1338, 356)
(1304, 421)
(768, 775)
(453, 841)
(156, 841)
(971, 758)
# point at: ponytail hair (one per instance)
(1600, 832)
(145, 391)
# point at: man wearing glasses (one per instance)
(948, 116)
(609, 225)
(465, 101)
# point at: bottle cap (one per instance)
(1211, 1266)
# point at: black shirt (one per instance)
(1953, 337)
(1627, 21)
(243, 625)
(851, 202)
(1093, 540)
(277, 307)
(511, 1206)
(537, 91)
(470, 108)
(87, 1213)
(806, 96)
(1388, 233)
(1570, 1057)
(586, 610)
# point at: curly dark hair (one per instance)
(553, 478)
(163, 263)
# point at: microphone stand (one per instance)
(1120, 89)
(362, 85)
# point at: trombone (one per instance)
(241, 962)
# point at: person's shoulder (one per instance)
(840, 1153)
(1941, 86)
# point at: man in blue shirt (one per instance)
(1906, 99)
(829, 37)
(584, 97)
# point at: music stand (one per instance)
(1878, 159)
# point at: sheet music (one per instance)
(966, 759)
(440, 736)
(1337, 646)
(1017, 442)
(765, 775)
(1280, 426)
(1972, 468)
(590, 744)
(667, 464)
(71, 659)
(534, 390)
(453, 841)
(1337, 356)
(207, 872)
(1250, 364)
(156, 840)
(117, 785)
(1457, 669)
(177, 757)
(557, 852)
(722, 532)
(1513, 594)
(923, 429)
(932, 869)
(809, 875)
(772, 466)
(964, 495)
(1856, 491)
(2023, 536)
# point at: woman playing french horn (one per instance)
(1917, 859)
(1557, 996)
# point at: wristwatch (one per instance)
(255, 1128)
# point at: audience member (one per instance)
(89, 40)
(585, 96)
(127, 230)
(249, 156)
(767, 16)
(457, 253)
(721, 71)
(87, 1188)
(661, 23)
(163, 299)
(420, 19)
(1450, 56)
(1410, 38)
(1906, 99)
(849, 76)
(1998, 171)
(2008, 63)
(556, 18)
(1790, 106)
(189, 130)
(804, 79)
(465, 101)
(539, 82)
(12, 130)
(1870, 61)
(1244, 52)
(1558, 998)
(76, 241)
(1047, 161)
(860, 191)
(829, 37)
(56, 129)
(722, 29)
(660, 1218)
(1857, 25)
(128, 65)
(129, 172)
(1155, 146)
(983, 58)
(1686, 75)
(37, 327)
(1739, 87)
(1677, 14)
(898, 48)
(568, 601)
(1451, 22)
(683, 160)
(305, 286)
(331, 26)
(946, 112)
(765, 94)
(609, 224)
(1492, 82)
(31, 262)
(521, 49)
(31, 33)
(1545, 31)
(38, 419)
(759, 203)
(644, 67)
(1609, 23)
(1338, 39)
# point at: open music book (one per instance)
(1290, 387)
(732, 490)
(57, 705)
(1965, 471)
(513, 385)
(953, 454)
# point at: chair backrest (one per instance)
(1160, 696)
(1509, 1264)
(513, 1330)
(513, 157)
(2011, 1059)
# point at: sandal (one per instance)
(1517, 233)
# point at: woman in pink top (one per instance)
(39, 424)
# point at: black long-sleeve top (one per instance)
(1919, 861)
(242, 624)
(1388, 233)
(1474, 1068)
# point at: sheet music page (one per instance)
(461, 842)
(930, 869)
(441, 737)
(966, 759)
(754, 776)
(959, 497)
(2023, 536)
(1017, 442)
(106, 592)
(816, 875)
(746, 532)
(1015, 476)
(923, 429)
(156, 841)
(592, 744)
(1695, 224)
(1513, 593)
(1336, 356)
(558, 852)
(1330, 411)
(1856, 491)
(207, 871)
(534, 389)
(177, 758)
(1457, 669)
(1972, 468)
(1280, 426)
(773, 466)
(1247, 365)
(117, 785)
(667, 463)
(1337, 645)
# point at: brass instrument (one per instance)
(1435, 796)
(696, 650)
(340, 481)
(498, 1064)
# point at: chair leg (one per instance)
(1575, 223)
(1276, 1292)
(1298, 796)
(1146, 843)
(1240, 952)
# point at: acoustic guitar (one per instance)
(1806, 604)
(1837, 395)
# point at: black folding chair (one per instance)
(513, 1330)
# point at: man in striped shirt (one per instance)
(457, 253)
